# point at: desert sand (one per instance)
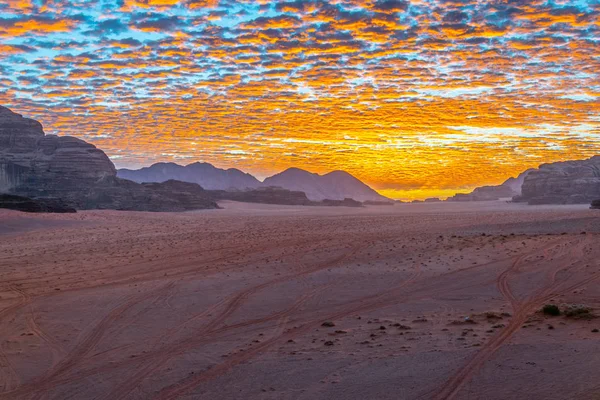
(416, 301)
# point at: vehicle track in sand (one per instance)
(218, 325)
(124, 390)
(363, 304)
(231, 306)
(91, 338)
(367, 303)
(9, 378)
(522, 309)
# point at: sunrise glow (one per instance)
(416, 98)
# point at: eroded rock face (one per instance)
(509, 188)
(25, 204)
(264, 195)
(82, 176)
(48, 163)
(569, 182)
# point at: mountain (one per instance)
(510, 188)
(566, 182)
(204, 174)
(336, 185)
(76, 173)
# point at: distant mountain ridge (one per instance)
(204, 174)
(336, 185)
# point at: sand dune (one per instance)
(419, 301)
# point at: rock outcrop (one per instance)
(380, 203)
(336, 185)
(595, 205)
(41, 166)
(48, 163)
(264, 195)
(25, 204)
(347, 202)
(204, 174)
(508, 189)
(568, 182)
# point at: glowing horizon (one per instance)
(422, 98)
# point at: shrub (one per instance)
(579, 311)
(551, 309)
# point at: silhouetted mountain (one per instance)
(204, 174)
(336, 185)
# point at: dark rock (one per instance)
(595, 205)
(25, 204)
(379, 203)
(339, 203)
(41, 166)
(265, 195)
(508, 189)
(568, 182)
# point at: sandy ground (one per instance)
(268, 302)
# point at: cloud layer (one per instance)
(416, 98)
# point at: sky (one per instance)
(417, 98)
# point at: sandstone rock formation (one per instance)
(29, 158)
(508, 189)
(264, 195)
(347, 202)
(204, 174)
(568, 182)
(36, 165)
(380, 203)
(25, 204)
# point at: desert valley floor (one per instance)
(416, 301)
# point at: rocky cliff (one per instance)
(509, 188)
(264, 195)
(568, 182)
(29, 158)
(25, 204)
(37, 165)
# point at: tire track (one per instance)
(231, 306)
(85, 346)
(522, 310)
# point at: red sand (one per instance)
(229, 304)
